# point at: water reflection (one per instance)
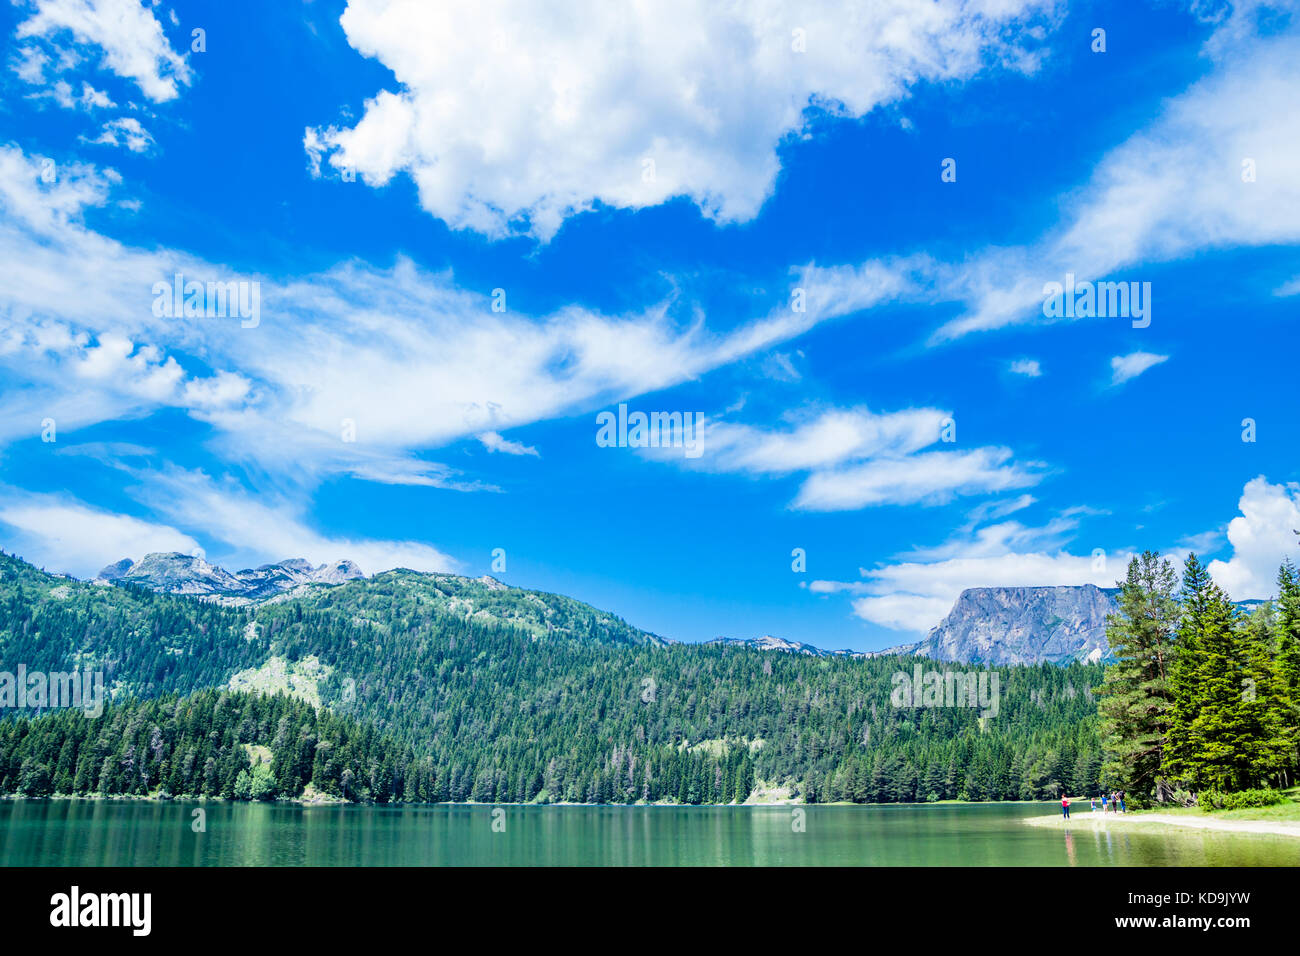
(118, 833)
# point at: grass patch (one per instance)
(1288, 809)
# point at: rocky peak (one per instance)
(1023, 625)
(176, 573)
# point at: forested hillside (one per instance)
(145, 643)
(211, 743)
(561, 703)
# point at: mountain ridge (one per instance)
(987, 625)
(176, 573)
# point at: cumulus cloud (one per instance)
(127, 132)
(1262, 536)
(525, 118)
(128, 37)
(1029, 368)
(1125, 367)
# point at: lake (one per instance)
(110, 833)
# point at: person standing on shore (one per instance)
(1122, 808)
(1065, 805)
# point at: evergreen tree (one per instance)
(1286, 663)
(1135, 694)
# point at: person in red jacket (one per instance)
(1065, 805)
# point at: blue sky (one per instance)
(650, 190)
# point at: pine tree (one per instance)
(1286, 661)
(1226, 730)
(1135, 696)
(1267, 746)
(1194, 602)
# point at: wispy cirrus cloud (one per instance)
(355, 344)
(493, 441)
(1217, 168)
(855, 458)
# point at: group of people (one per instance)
(1109, 801)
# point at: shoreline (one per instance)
(338, 801)
(1146, 819)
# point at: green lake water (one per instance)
(104, 833)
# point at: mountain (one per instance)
(474, 690)
(174, 573)
(1027, 625)
(769, 643)
(394, 596)
(1023, 625)
(1008, 625)
(377, 600)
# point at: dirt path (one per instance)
(1098, 820)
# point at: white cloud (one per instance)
(353, 343)
(914, 593)
(992, 510)
(1026, 367)
(493, 441)
(127, 132)
(855, 458)
(929, 478)
(1125, 367)
(68, 536)
(818, 440)
(915, 596)
(268, 526)
(1218, 168)
(526, 116)
(130, 40)
(1289, 288)
(29, 65)
(1171, 190)
(1262, 535)
(92, 98)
